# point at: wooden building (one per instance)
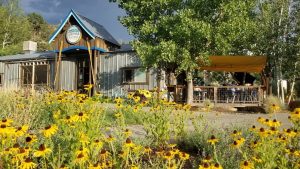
(84, 52)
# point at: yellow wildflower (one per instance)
(213, 140)
(28, 164)
(50, 130)
(246, 165)
(42, 151)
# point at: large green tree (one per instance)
(278, 38)
(41, 31)
(15, 27)
(168, 35)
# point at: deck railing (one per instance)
(223, 94)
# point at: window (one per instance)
(27, 75)
(1, 79)
(40, 74)
(134, 75)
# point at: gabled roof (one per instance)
(93, 29)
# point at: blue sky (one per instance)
(101, 11)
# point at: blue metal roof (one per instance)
(93, 29)
(28, 56)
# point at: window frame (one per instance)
(34, 64)
(134, 83)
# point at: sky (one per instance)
(100, 11)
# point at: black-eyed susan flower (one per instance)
(236, 133)
(20, 131)
(42, 151)
(246, 165)
(15, 148)
(104, 154)
(22, 153)
(213, 140)
(28, 164)
(159, 152)
(81, 158)
(127, 133)
(6, 121)
(273, 131)
(274, 108)
(184, 156)
(130, 95)
(118, 100)
(50, 130)
(263, 132)
(110, 139)
(136, 99)
(261, 120)
(68, 119)
(216, 166)
(95, 166)
(118, 114)
(254, 144)
(204, 166)
(122, 154)
(128, 143)
(5, 152)
(236, 144)
(97, 144)
(81, 117)
(275, 123)
(295, 115)
(168, 155)
(257, 159)
(290, 133)
(83, 151)
(30, 138)
(207, 159)
(253, 128)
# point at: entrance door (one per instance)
(83, 74)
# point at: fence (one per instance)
(244, 95)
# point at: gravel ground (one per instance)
(242, 119)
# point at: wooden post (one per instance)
(95, 71)
(215, 95)
(33, 77)
(57, 71)
(91, 61)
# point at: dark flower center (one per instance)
(16, 145)
(246, 163)
(212, 137)
(28, 139)
(80, 114)
(42, 147)
(28, 160)
(128, 141)
(4, 120)
(48, 127)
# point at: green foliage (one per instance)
(15, 28)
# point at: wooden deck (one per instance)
(235, 96)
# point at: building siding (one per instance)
(110, 74)
(68, 75)
(11, 76)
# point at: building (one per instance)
(84, 53)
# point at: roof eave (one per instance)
(71, 13)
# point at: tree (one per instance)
(15, 28)
(277, 38)
(41, 31)
(168, 35)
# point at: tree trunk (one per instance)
(158, 82)
(293, 83)
(189, 79)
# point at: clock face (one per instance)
(73, 34)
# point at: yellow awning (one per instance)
(236, 63)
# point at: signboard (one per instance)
(73, 34)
